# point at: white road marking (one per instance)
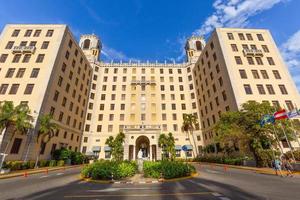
(59, 174)
(224, 198)
(44, 176)
(216, 194)
(213, 171)
(118, 189)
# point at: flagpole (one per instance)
(292, 152)
(280, 147)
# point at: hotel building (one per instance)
(43, 66)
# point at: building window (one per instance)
(230, 36)
(261, 89)
(40, 58)
(248, 89)
(45, 45)
(3, 88)
(276, 74)
(249, 36)
(9, 45)
(243, 74)
(270, 89)
(270, 61)
(250, 60)
(265, 48)
(255, 74)
(241, 36)
(16, 146)
(289, 105)
(16, 58)
(260, 37)
(3, 58)
(14, 88)
(28, 33)
(37, 33)
(238, 60)
(20, 73)
(15, 33)
(34, 72)
(264, 74)
(234, 47)
(224, 95)
(49, 33)
(32, 44)
(259, 61)
(26, 58)
(283, 89)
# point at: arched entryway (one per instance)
(142, 143)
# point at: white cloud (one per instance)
(234, 13)
(291, 53)
(112, 54)
(229, 13)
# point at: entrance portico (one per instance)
(144, 138)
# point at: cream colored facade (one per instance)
(87, 96)
(238, 65)
(47, 59)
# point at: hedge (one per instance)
(106, 170)
(221, 160)
(296, 154)
(167, 169)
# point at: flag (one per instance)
(293, 113)
(267, 119)
(281, 114)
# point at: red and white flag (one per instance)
(281, 114)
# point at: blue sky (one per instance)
(157, 29)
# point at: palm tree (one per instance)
(188, 126)
(18, 118)
(167, 143)
(47, 130)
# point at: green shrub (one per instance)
(15, 165)
(296, 154)
(265, 157)
(61, 163)
(103, 170)
(222, 160)
(168, 169)
(152, 169)
(62, 154)
(44, 163)
(52, 163)
(28, 165)
(77, 158)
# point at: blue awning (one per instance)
(178, 147)
(107, 148)
(189, 147)
(96, 148)
(89, 153)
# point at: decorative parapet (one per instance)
(253, 52)
(23, 49)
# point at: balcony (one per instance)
(143, 82)
(253, 52)
(142, 127)
(23, 49)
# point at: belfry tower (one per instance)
(193, 47)
(91, 46)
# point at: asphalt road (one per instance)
(211, 184)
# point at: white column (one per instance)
(134, 152)
(150, 152)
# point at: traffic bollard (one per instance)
(25, 175)
(47, 171)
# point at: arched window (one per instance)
(86, 44)
(198, 46)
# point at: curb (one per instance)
(38, 171)
(138, 182)
(256, 170)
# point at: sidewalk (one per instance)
(264, 170)
(27, 172)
